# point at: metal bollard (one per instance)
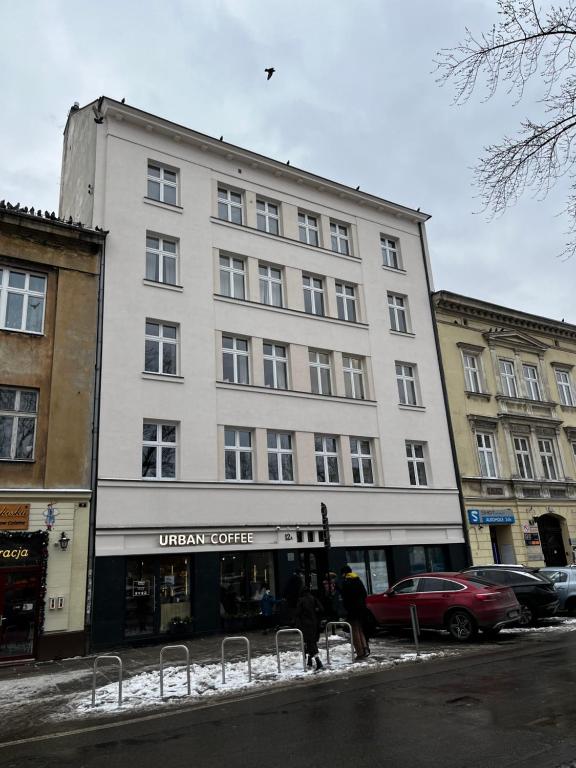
(285, 632)
(244, 639)
(169, 648)
(331, 625)
(415, 627)
(96, 660)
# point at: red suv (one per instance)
(460, 603)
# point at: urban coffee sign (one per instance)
(210, 537)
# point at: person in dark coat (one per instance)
(354, 596)
(308, 614)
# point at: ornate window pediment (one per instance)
(515, 340)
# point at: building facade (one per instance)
(268, 347)
(510, 380)
(49, 281)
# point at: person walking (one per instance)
(354, 596)
(308, 614)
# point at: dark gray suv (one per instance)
(564, 580)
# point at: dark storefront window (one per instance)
(174, 593)
(371, 566)
(242, 575)
(424, 559)
(140, 597)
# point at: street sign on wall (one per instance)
(490, 516)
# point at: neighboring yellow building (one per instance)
(512, 397)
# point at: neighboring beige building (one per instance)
(510, 382)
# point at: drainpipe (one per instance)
(445, 396)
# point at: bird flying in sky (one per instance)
(270, 72)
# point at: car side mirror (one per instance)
(390, 593)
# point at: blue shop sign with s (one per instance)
(490, 517)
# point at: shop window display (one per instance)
(175, 616)
(242, 580)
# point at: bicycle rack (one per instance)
(171, 648)
(96, 660)
(285, 632)
(333, 625)
(229, 639)
(415, 627)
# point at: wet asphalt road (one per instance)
(512, 706)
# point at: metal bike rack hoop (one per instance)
(244, 640)
(171, 648)
(285, 632)
(415, 627)
(96, 660)
(332, 625)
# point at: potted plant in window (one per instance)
(180, 625)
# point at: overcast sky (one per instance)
(354, 98)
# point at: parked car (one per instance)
(460, 603)
(564, 580)
(535, 593)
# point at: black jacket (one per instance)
(308, 614)
(353, 596)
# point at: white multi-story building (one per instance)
(268, 346)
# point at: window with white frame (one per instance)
(564, 383)
(346, 302)
(18, 412)
(235, 360)
(161, 259)
(280, 457)
(238, 454)
(326, 453)
(361, 455)
(472, 379)
(406, 381)
(162, 183)
(313, 295)
(532, 382)
(22, 300)
(275, 365)
(508, 378)
(320, 375)
(340, 238)
(523, 458)
(308, 229)
(547, 458)
(270, 285)
(398, 312)
(267, 217)
(389, 249)
(232, 277)
(161, 348)
(353, 369)
(486, 454)
(158, 451)
(229, 205)
(416, 457)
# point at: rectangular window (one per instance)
(232, 277)
(238, 454)
(313, 295)
(308, 229)
(22, 300)
(361, 454)
(389, 252)
(270, 285)
(508, 378)
(280, 457)
(275, 365)
(548, 459)
(161, 256)
(406, 381)
(346, 302)
(161, 348)
(564, 387)
(229, 205)
(353, 377)
(472, 380)
(320, 378)
(416, 463)
(162, 184)
(486, 454)
(523, 458)
(267, 217)
(235, 360)
(18, 412)
(340, 238)
(326, 452)
(158, 451)
(397, 311)
(532, 382)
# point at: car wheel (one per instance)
(571, 607)
(461, 626)
(491, 631)
(527, 617)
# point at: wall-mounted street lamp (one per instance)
(63, 541)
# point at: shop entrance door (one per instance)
(312, 565)
(551, 540)
(140, 597)
(19, 609)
